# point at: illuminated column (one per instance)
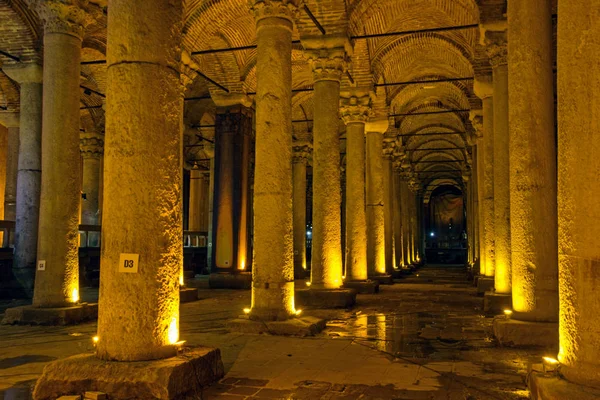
(502, 257)
(388, 216)
(405, 208)
(475, 200)
(355, 113)
(327, 57)
(142, 217)
(533, 208)
(11, 121)
(375, 198)
(233, 130)
(203, 214)
(273, 272)
(92, 146)
(29, 76)
(578, 191)
(412, 225)
(466, 177)
(397, 204)
(57, 284)
(299, 161)
(197, 196)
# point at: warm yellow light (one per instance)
(95, 339)
(246, 311)
(307, 283)
(243, 264)
(508, 313)
(298, 312)
(75, 295)
(550, 360)
(173, 331)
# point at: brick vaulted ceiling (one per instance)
(218, 24)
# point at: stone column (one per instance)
(397, 204)
(327, 56)
(204, 201)
(355, 113)
(476, 208)
(299, 161)
(92, 147)
(57, 282)
(578, 190)
(142, 228)
(533, 186)
(502, 257)
(375, 199)
(197, 196)
(405, 206)
(11, 121)
(29, 76)
(273, 272)
(412, 215)
(388, 210)
(466, 177)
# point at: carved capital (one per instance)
(327, 64)
(496, 47)
(63, 16)
(285, 9)
(91, 145)
(301, 152)
(355, 109)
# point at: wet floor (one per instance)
(423, 338)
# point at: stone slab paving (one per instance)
(424, 338)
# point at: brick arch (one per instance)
(21, 31)
(435, 182)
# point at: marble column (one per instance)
(57, 275)
(197, 196)
(502, 250)
(327, 56)
(92, 146)
(388, 210)
(466, 177)
(533, 186)
(29, 77)
(355, 113)
(299, 161)
(405, 207)
(476, 208)
(578, 191)
(375, 198)
(397, 204)
(142, 229)
(11, 121)
(203, 205)
(273, 272)
(412, 215)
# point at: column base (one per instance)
(495, 303)
(176, 377)
(515, 333)
(298, 326)
(187, 295)
(29, 315)
(227, 280)
(383, 279)
(484, 284)
(325, 298)
(366, 287)
(551, 386)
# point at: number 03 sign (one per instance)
(128, 263)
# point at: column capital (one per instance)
(10, 119)
(301, 152)
(493, 37)
(284, 9)
(188, 68)
(356, 108)
(91, 145)
(231, 99)
(328, 56)
(483, 86)
(24, 73)
(61, 16)
(377, 126)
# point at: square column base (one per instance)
(187, 295)
(227, 280)
(550, 386)
(484, 284)
(299, 326)
(383, 279)
(325, 298)
(495, 303)
(183, 375)
(512, 332)
(30, 315)
(366, 287)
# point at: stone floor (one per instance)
(423, 338)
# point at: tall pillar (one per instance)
(204, 201)
(196, 202)
(299, 161)
(578, 191)
(273, 272)
(92, 147)
(397, 204)
(467, 196)
(375, 199)
(533, 186)
(11, 121)
(328, 60)
(355, 113)
(476, 208)
(502, 257)
(405, 198)
(388, 210)
(29, 77)
(413, 218)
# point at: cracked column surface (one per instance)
(327, 57)
(11, 121)
(57, 285)
(533, 208)
(29, 77)
(138, 316)
(374, 198)
(502, 258)
(355, 113)
(578, 190)
(273, 269)
(299, 161)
